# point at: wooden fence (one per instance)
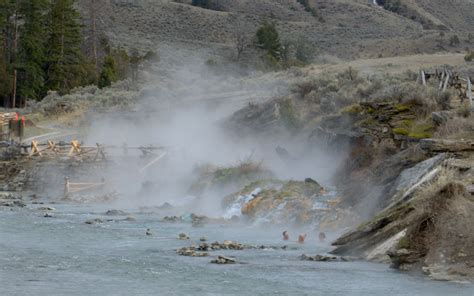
(66, 150)
(449, 79)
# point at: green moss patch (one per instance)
(415, 129)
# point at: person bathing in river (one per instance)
(286, 236)
(322, 236)
(301, 238)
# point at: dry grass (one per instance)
(443, 229)
(456, 128)
(430, 189)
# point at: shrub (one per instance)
(309, 8)
(454, 40)
(391, 5)
(456, 127)
(444, 99)
(469, 57)
(208, 4)
(305, 87)
(289, 115)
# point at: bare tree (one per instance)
(241, 37)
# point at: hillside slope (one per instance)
(347, 29)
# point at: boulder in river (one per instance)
(183, 236)
(46, 209)
(115, 213)
(172, 219)
(191, 252)
(13, 203)
(326, 258)
(94, 221)
(130, 219)
(224, 260)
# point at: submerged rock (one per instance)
(224, 260)
(46, 209)
(229, 245)
(183, 236)
(115, 213)
(191, 252)
(94, 221)
(14, 203)
(326, 258)
(172, 219)
(130, 219)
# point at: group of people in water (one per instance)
(302, 237)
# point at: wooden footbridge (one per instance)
(88, 154)
(77, 150)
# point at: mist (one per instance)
(183, 109)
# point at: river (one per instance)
(64, 256)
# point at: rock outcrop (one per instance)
(275, 201)
(422, 226)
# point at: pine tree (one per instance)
(109, 72)
(7, 52)
(66, 66)
(269, 39)
(32, 52)
(5, 80)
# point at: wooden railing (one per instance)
(71, 188)
(449, 79)
(72, 149)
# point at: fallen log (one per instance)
(439, 145)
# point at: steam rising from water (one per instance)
(182, 110)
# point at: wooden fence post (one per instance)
(66, 187)
(469, 92)
(441, 80)
(445, 86)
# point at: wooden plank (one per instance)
(152, 162)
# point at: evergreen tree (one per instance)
(109, 72)
(8, 49)
(66, 66)
(5, 80)
(32, 52)
(269, 39)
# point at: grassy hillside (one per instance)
(343, 28)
